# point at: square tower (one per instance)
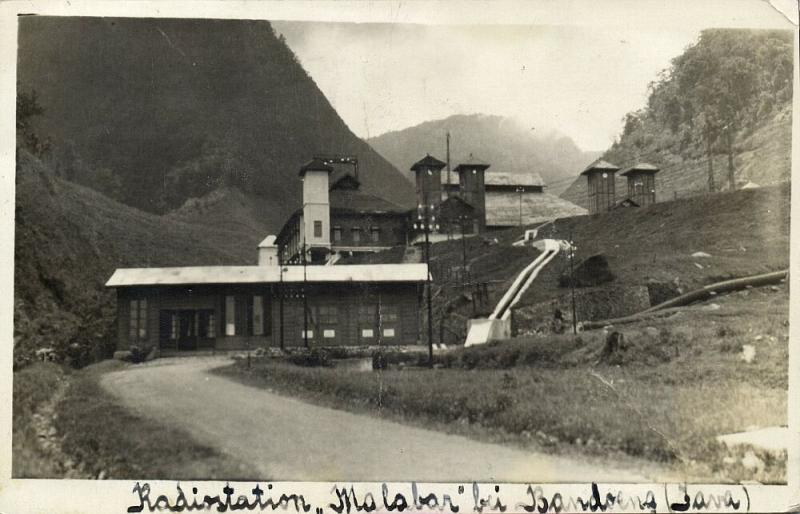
(600, 181)
(641, 183)
(472, 186)
(316, 222)
(428, 178)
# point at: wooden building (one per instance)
(428, 181)
(337, 217)
(641, 183)
(511, 199)
(240, 307)
(600, 182)
(472, 188)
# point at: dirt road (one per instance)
(289, 439)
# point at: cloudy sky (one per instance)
(580, 81)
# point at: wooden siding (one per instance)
(642, 188)
(392, 229)
(601, 191)
(345, 299)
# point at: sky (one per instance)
(579, 81)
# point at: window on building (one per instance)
(230, 315)
(367, 319)
(210, 324)
(337, 234)
(356, 233)
(375, 233)
(317, 228)
(389, 317)
(138, 320)
(258, 315)
(173, 327)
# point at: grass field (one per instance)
(680, 383)
(98, 437)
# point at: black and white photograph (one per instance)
(326, 251)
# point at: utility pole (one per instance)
(305, 296)
(464, 277)
(281, 293)
(572, 281)
(425, 223)
(520, 190)
(448, 164)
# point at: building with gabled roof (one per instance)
(338, 217)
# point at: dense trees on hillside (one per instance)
(718, 91)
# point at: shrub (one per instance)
(140, 353)
(315, 357)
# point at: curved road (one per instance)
(288, 439)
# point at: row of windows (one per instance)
(366, 333)
(246, 315)
(355, 234)
(250, 315)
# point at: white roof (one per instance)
(267, 274)
(268, 242)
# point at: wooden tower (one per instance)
(600, 181)
(428, 178)
(641, 183)
(472, 186)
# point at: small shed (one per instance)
(641, 183)
(600, 182)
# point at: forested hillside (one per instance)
(152, 112)
(502, 142)
(718, 117)
(68, 241)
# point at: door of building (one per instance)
(187, 330)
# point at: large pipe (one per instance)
(696, 295)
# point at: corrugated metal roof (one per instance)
(600, 165)
(502, 208)
(494, 178)
(267, 274)
(357, 201)
(502, 178)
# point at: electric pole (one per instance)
(448, 164)
(572, 281)
(305, 296)
(425, 223)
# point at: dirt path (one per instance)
(289, 439)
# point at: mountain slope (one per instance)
(692, 106)
(68, 241)
(504, 143)
(174, 109)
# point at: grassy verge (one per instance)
(666, 397)
(99, 437)
(33, 388)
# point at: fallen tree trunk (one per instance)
(703, 293)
